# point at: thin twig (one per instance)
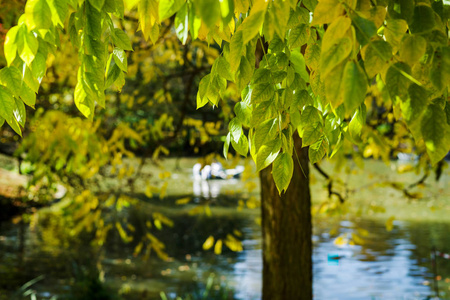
(330, 183)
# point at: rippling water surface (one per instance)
(374, 263)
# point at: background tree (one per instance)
(320, 77)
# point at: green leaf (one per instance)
(265, 132)
(401, 9)
(7, 104)
(415, 105)
(311, 134)
(423, 19)
(354, 85)
(317, 150)
(338, 145)
(38, 14)
(311, 116)
(241, 146)
(337, 30)
(316, 84)
(148, 18)
(243, 112)
(394, 31)
(327, 11)
(298, 36)
(201, 101)
(83, 97)
(226, 145)
(2, 121)
(251, 25)
(396, 83)
(194, 22)
(29, 47)
(376, 57)
(28, 96)
(223, 68)
(15, 126)
(282, 170)
(261, 75)
(168, 8)
(202, 89)
(235, 128)
(19, 112)
(216, 87)
(10, 46)
(115, 7)
(276, 45)
(236, 50)
(261, 112)
(312, 56)
(332, 82)
(98, 4)
(435, 132)
(412, 48)
(447, 112)
(302, 99)
(278, 9)
(12, 79)
(262, 92)
(267, 154)
(440, 70)
(209, 11)
(244, 73)
(357, 123)
(292, 80)
(93, 22)
(365, 29)
(95, 48)
(278, 76)
(121, 39)
(335, 54)
(38, 67)
(182, 24)
(298, 61)
(94, 77)
(113, 74)
(227, 10)
(120, 58)
(310, 5)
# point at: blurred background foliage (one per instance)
(95, 179)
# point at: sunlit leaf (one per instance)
(435, 132)
(267, 154)
(282, 170)
(317, 150)
(354, 85)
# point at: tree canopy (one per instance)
(327, 66)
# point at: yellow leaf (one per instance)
(138, 249)
(327, 11)
(208, 243)
(340, 241)
(183, 201)
(157, 224)
(208, 211)
(218, 247)
(148, 191)
(390, 223)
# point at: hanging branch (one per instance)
(330, 183)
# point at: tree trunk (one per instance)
(286, 230)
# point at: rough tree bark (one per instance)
(286, 230)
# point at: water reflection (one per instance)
(384, 265)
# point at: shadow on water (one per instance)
(380, 264)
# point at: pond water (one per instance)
(355, 256)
